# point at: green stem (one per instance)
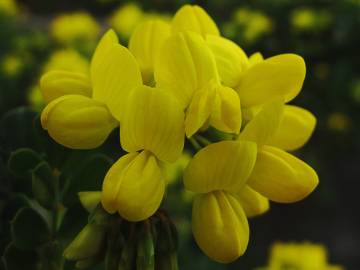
(195, 143)
(204, 141)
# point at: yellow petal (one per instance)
(185, 65)
(117, 74)
(108, 40)
(57, 83)
(265, 123)
(90, 199)
(231, 60)
(194, 18)
(282, 177)
(200, 108)
(252, 202)
(255, 58)
(77, 122)
(134, 186)
(226, 114)
(282, 75)
(153, 121)
(295, 128)
(220, 226)
(224, 165)
(145, 44)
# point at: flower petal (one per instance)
(89, 199)
(77, 122)
(255, 58)
(200, 108)
(108, 40)
(134, 186)
(282, 75)
(194, 18)
(224, 165)
(231, 60)
(145, 44)
(265, 123)
(226, 114)
(295, 128)
(185, 65)
(220, 226)
(117, 74)
(282, 177)
(153, 121)
(57, 83)
(252, 202)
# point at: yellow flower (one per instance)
(68, 60)
(302, 256)
(188, 69)
(125, 19)
(338, 122)
(307, 19)
(83, 109)
(194, 18)
(256, 80)
(9, 7)
(218, 173)
(255, 24)
(278, 175)
(146, 43)
(11, 65)
(69, 28)
(153, 124)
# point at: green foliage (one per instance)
(29, 229)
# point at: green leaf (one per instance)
(29, 229)
(22, 161)
(43, 185)
(15, 258)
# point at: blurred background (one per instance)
(40, 35)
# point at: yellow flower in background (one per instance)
(35, 98)
(125, 19)
(307, 19)
(74, 27)
(11, 65)
(83, 109)
(8, 7)
(255, 24)
(299, 256)
(67, 60)
(338, 122)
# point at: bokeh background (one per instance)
(40, 35)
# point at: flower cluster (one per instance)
(182, 80)
(300, 256)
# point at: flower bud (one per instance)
(88, 243)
